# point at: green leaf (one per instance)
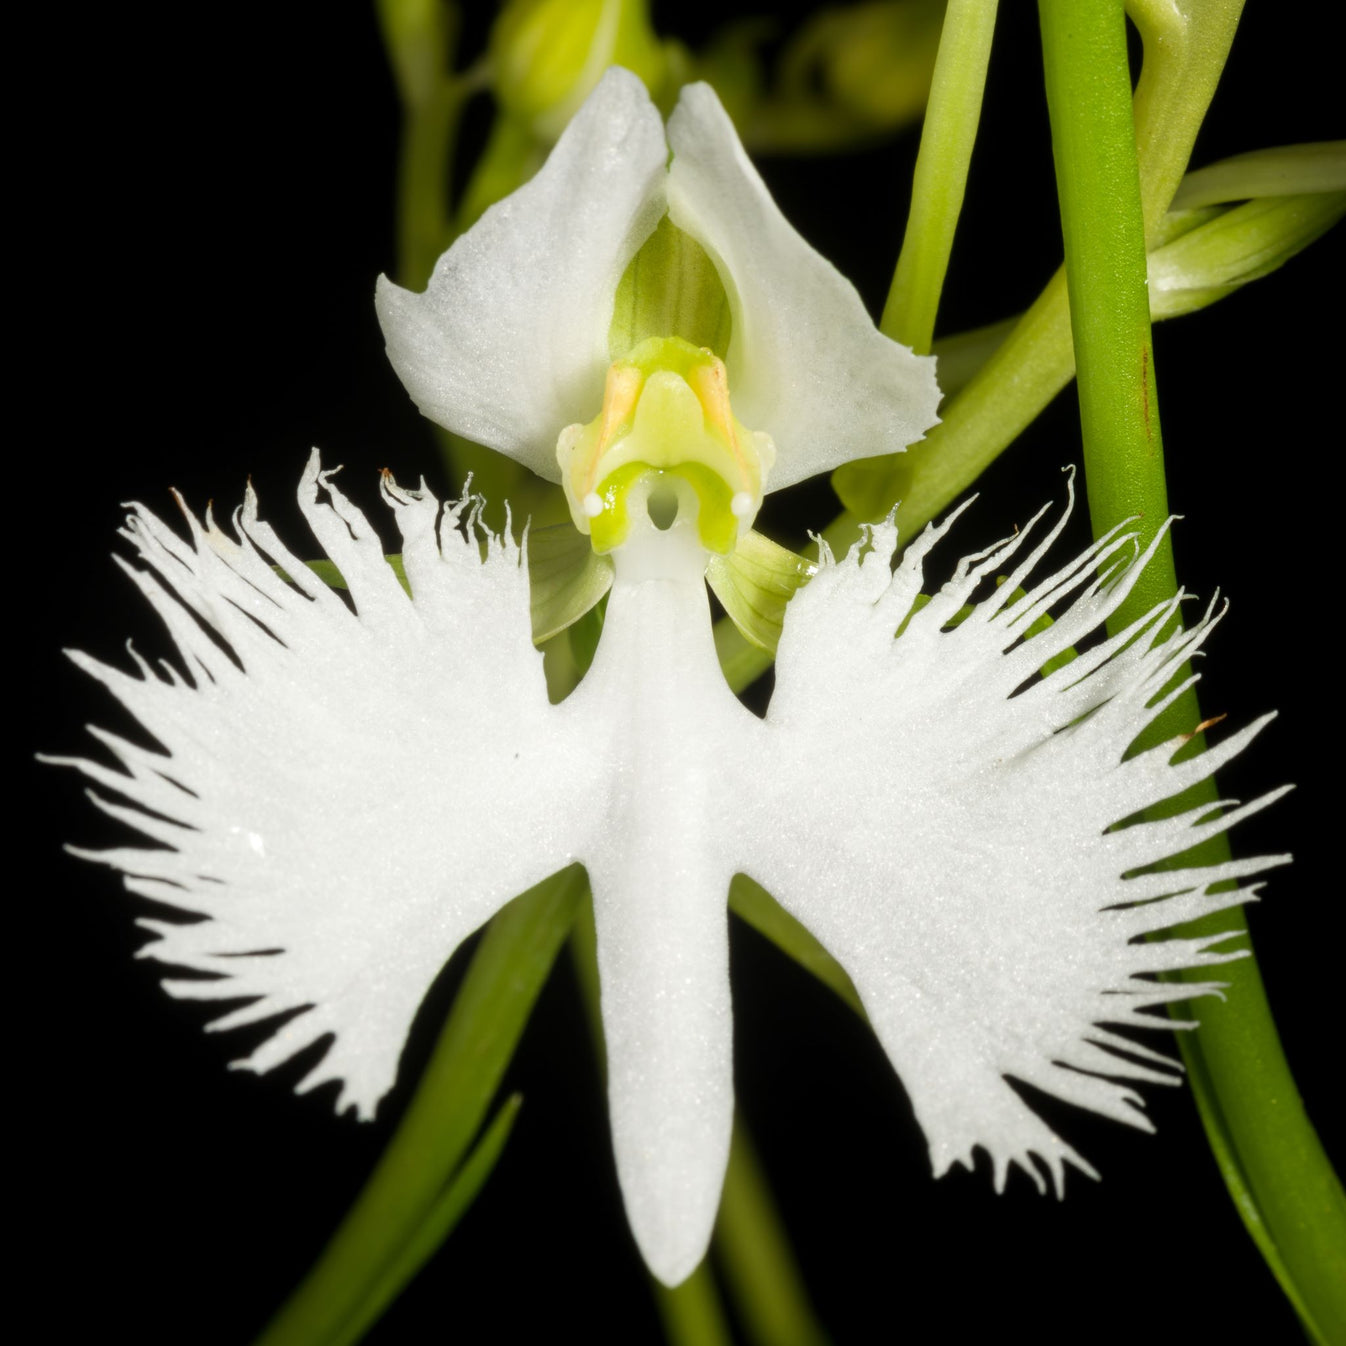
(408, 1186)
(751, 902)
(758, 1263)
(438, 1224)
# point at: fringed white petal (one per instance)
(344, 796)
(806, 363)
(660, 716)
(508, 345)
(954, 848)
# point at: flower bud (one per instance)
(549, 54)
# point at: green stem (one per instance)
(419, 37)
(1098, 186)
(756, 1257)
(937, 187)
(1268, 1152)
(1186, 44)
(691, 1312)
(450, 1103)
(438, 1224)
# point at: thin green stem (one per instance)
(947, 137)
(419, 37)
(1268, 1152)
(756, 1257)
(449, 1106)
(1186, 44)
(691, 1312)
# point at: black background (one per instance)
(210, 204)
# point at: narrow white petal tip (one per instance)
(593, 504)
(671, 1208)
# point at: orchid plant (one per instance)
(953, 808)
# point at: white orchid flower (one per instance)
(348, 790)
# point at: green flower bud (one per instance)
(547, 55)
(1221, 250)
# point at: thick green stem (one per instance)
(1098, 186)
(1269, 1155)
(950, 129)
(1186, 43)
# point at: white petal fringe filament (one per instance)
(346, 791)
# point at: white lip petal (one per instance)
(350, 794)
(953, 851)
(660, 715)
(345, 795)
(508, 345)
(806, 363)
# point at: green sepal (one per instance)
(566, 578)
(670, 288)
(1222, 250)
(1284, 170)
(754, 582)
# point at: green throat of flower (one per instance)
(666, 444)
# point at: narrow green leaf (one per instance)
(754, 904)
(758, 1263)
(947, 137)
(691, 1312)
(438, 1224)
(477, 1042)
(1226, 249)
(1284, 170)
